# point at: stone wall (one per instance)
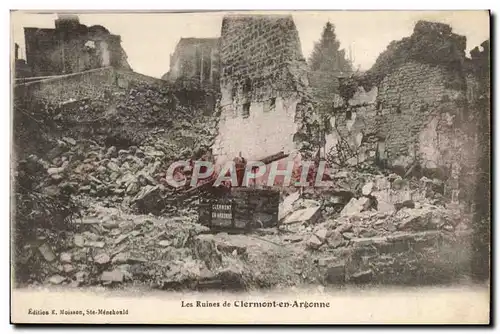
(415, 117)
(263, 86)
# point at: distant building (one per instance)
(195, 59)
(72, 47)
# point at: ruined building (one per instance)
(195, 59)
(263, 87)
(72, 47)
(21, 69)
(413, 111)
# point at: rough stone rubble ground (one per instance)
(113, 243)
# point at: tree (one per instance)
(326, 56)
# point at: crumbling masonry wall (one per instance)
(263, 86)
(416, 115)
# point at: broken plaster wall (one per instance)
(263, 87)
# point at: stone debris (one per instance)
(322, 233)
(314, 242)
(57, 279)
(102, 258)
(336, 272)
(287, 205)
(47, 252)
(336, 240)
(78, 240)
(355, 206)
(65, 257)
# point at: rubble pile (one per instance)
(117, 177)
(109, 247)
(366, 226)
(390, 230)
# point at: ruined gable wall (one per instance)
(421, 113)
(262, 70)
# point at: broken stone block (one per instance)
(367, 189)
(344, 228)
(406, 204)
(112, 276)
(414, 219)
(321, 233)
(362, 277)
(110, 224)
(69, 140)
(314, 242)
(385, 207)
(341, 175)
(324, 261)
(56, 279)
(335, 273)
(65, 257)
(149, 198)
(205, 249)
(165, 243)
(336, 240)
(81, 275)
(293, 238)
(360, 242)
(113, 167)
(398, 183)
(67, 268)
(120, 258)
(232, 275)
(348, 235)
(47, 252)
(111, 152)
(365, 203)
(368, 233)
(74, 284)
(305, 215)
(133, 188)
(355, 206)
(102, 258)
(95, 244)
(123, 152)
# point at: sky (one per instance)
(150, 37)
